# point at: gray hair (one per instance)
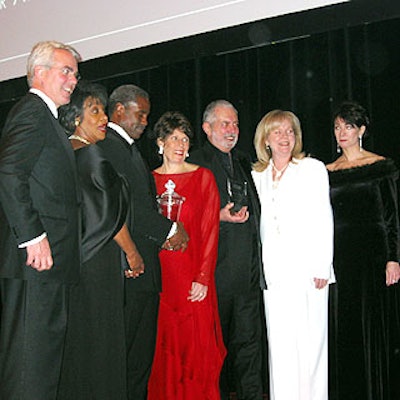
(125, 94)
(209, 112)
(42, 54)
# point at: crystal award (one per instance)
(170, 202)
(237, 191)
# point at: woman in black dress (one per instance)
(364, 303)
(94, 363)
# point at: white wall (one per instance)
(99, 28)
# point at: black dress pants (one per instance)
(32, 333)
(141, 314)
(241, 319)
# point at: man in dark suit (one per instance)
(239, 274)
(129, 107)
(39, 234)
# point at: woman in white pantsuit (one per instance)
(297, 239)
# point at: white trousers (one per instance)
(297, 324)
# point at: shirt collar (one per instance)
(121, 132)
(49, 102)
(219, 152)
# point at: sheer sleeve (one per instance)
(209, 227)
(104, 195)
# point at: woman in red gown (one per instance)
(190, 350)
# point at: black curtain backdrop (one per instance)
(306, 62)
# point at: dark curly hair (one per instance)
(352, 113)
(170, 121)
(74, 109)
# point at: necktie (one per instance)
(227, 164)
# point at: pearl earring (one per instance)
(338, 149)
(187, 155)
(360, 142)
(161, 150)
(77, 122)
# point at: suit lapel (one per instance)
(136, 159)
(65, 141)
(219, 173)
(59, 132)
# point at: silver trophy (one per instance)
(170, 202)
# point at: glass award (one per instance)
(237, 191)
(170, 202)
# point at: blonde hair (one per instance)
(42, 54)
(269, 122)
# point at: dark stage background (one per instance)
(306, 62)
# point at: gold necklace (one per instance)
(79, 138)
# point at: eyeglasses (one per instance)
(67, 72)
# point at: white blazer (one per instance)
(296, 224)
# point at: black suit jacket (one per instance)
(239, 265)
(38, 192)
(148, 228)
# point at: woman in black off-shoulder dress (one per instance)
(94, 365)
(364, 348)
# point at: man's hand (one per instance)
(39, 255)
(237, 218)
(136, 265)
(179, 241)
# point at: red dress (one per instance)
(189, 350)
